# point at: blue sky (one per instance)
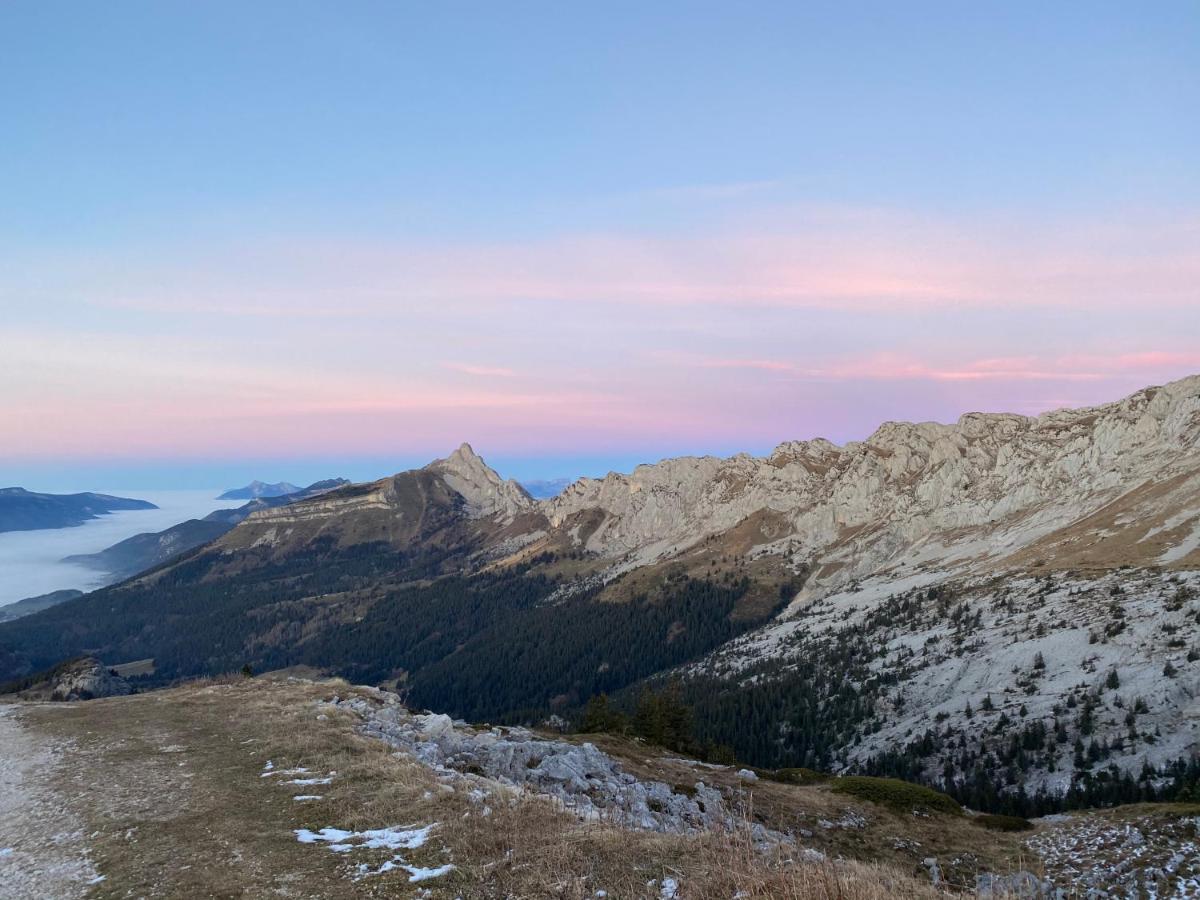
(459, 119)
(316, 238)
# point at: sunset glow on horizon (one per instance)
(357, 237)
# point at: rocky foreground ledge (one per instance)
(315, 789)
(581, 778)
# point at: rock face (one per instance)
(584, 779)
(1041, 660)
(87, 679)
(485, 492)
(1101, 486)
(955, 497)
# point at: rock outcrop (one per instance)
(582, 778)
(87, 679)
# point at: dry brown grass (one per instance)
(534, 851)
(897, 840)
(199, 821)
(524, 846)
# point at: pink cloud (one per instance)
(483, 371)
(900, 367)
(818, 259)
(830, 322)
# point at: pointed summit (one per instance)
(466, 462)
(481, 486)
(466, 455)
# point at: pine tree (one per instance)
(600, 716)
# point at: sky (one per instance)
(298, 240)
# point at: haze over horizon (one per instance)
(297, 241)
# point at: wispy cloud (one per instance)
(816, 260)
(738, 339)
(482, 371)
(896, 367)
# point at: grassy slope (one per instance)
(169, 784)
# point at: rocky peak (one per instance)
(486, 493)
(915, 493)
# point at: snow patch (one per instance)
(309, 781)
(418, 874)
(392, 839)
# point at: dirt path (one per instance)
(43, 852)
(167, 787)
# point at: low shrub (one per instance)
(902, 796)
(1003, 823)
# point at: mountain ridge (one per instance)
(22, 510)
(963, 476)
(801, 601)
(256, 489)
(925, 500)
(149, 549)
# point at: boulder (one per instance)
(87, 679)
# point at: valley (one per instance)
(34, 563)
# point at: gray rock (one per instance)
(581, 777)
(1017, 886)
(935, 873)
(87, 679)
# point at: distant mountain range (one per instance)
(544, 489)
(144, 551)
(22, 510)
(257, 489)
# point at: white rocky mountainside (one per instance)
(928, 497)
(1039, 678)
(1096, 487)
(486, 493)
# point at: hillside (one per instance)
(1102, 486)
(303, 788)
(1031, 581)
(22, 510)
(36, 604)
(150, 549)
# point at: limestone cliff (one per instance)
(1104, 485)
(1095, 487)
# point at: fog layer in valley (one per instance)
(31, 561)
